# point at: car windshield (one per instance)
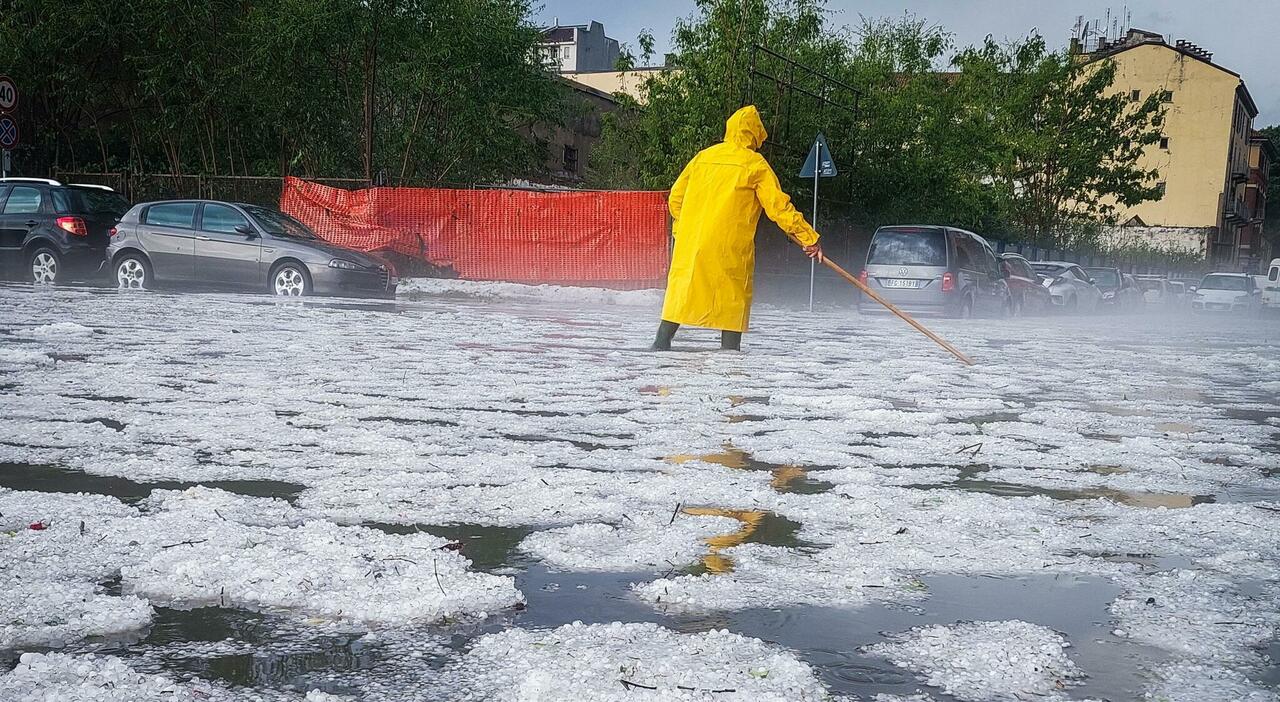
(1049, 270)
(279, 223)
(92, 201)
(1223, 282)
(908, 247)
(1104, 277)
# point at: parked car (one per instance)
(1226, 292)
(238, 246)
(1070, 288)
(935, 270)
(1271, 287)
(1119, 292)
(1189, 285)
(1026, 288)
(52, 232)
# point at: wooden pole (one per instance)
(902, 315)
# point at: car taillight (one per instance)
(863, 276)
(113, 232)
(948, 282)
(75, 225)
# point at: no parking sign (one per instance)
(8, 132)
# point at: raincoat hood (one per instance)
(745, 129)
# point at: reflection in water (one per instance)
(786, 478)
(713, 561)
(758, 527)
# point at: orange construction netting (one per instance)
(617, 239)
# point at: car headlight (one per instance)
(345, 265)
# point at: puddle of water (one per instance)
(992, 417)
(740, 400)
(538, 438)
(488, 547)
(1117, 411)
(1131, 498)
(829, 639)
(410, 421)
(36, 478)
(106, 422)
(271, 662)
(1176, 428)
(1102, 469)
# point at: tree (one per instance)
(1058, 144)
(282, 86)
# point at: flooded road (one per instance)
(175, 466)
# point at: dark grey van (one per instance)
(935, 270)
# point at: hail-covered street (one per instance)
(489, 492)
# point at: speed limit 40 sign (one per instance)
(8, 94)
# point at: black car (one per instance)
(237, 245)
(52, 232)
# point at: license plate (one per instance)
(899, 283)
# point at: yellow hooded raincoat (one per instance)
(715, 204)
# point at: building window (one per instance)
(570, 159)
(1166, 96)
(1160, 188)
(1135, 95)
(1164, 143)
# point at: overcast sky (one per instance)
(1241, 34)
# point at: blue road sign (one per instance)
(8, 133)
(823, 156)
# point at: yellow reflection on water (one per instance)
(750, 519)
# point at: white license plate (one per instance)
(899, 283)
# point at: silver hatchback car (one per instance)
(935, 270)
(239, 246)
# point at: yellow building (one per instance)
(1203, 153)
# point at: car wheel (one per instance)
(966, 309)
(1071, 306)
(1014, 308)
(133, 272)
(290, 280)
(44, 265)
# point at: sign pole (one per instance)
(813, 263)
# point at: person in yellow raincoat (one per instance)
(715, 205)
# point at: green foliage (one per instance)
(279, 86)
(1017, 140)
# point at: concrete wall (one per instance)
(1193, 240)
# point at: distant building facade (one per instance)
(1203, 156)
(1261, 244)
(630, 82)
(579, 48)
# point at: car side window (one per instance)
(964, 254)
(1080, 274)
(23, 200)
(172, 214)
(221, 219)
(988, 258)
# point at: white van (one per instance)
(1271, 286)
